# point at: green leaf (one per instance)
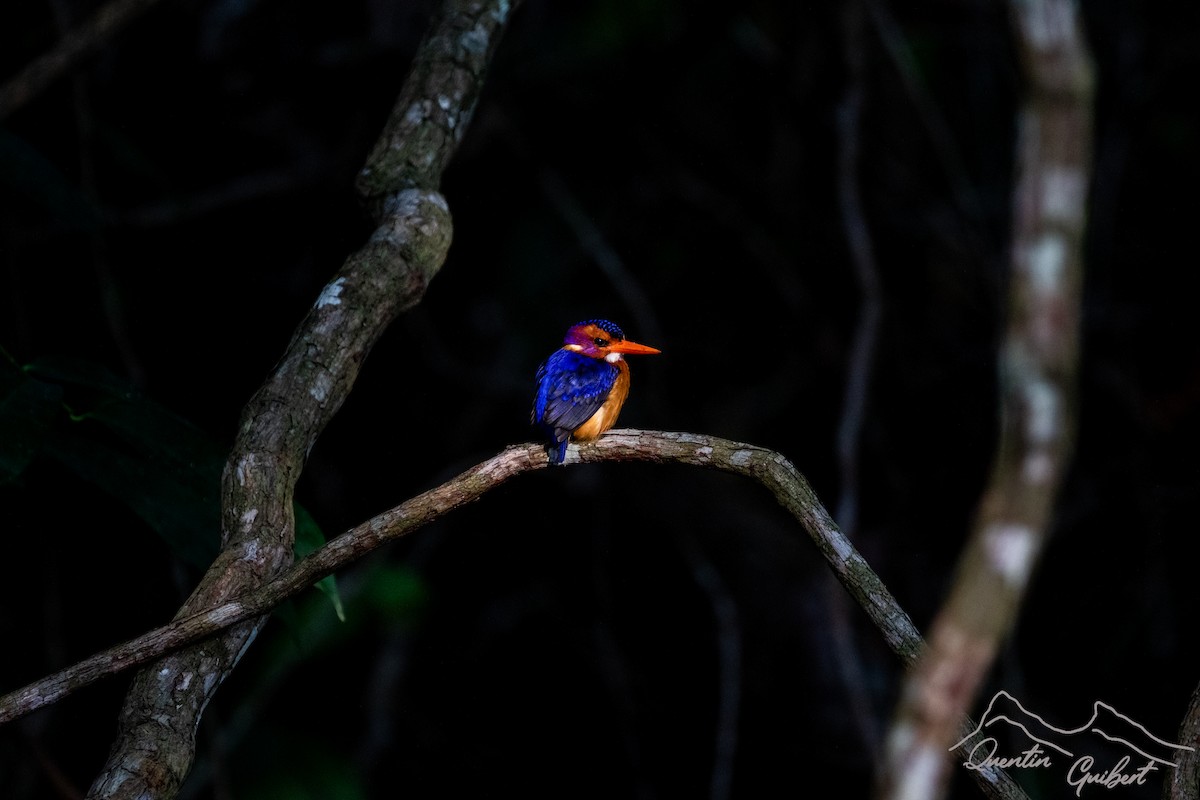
(161, 466)
(79, 372)
(155, 462)
(181, 507)
(27, 408)
(161, 436)
(309, 537)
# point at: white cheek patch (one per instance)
(574, 347)
(612, 358)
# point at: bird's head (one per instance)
(599, 338)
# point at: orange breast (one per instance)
(606, 417)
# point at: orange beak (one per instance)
(632, 348)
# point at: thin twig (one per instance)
(73, 46)
(860, 365)
(727, 633)
(861, 361)
(593, 241)
(945, 148)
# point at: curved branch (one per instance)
(767, 467)
(156, 744)
(786, 484)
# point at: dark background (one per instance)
(170, 210)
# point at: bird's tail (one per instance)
(557, 451)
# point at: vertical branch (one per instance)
(862, 257)
(110, 298)
(1038, 365)
(727, 632)
(860, 363)
(1184, 783)
(156, 742)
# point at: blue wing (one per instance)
(570, 389)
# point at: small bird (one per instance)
(582, 386)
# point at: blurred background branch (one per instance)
(75, 44)
(860, 363)
(1039, 365)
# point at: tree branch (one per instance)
(74, 45)
(765, 466)
(1038, 365)
(156, 743)
(860, 364)
(786, 484)
(1184, 782)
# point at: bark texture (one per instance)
(155, 746)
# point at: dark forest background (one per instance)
(170, 210)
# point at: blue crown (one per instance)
(611, 328)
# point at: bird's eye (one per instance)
(600, 341)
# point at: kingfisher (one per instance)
(582, 386)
